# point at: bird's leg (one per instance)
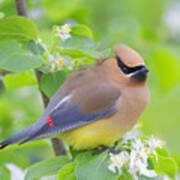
(113, 150)
(100, 149)
(104, 148)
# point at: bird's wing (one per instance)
(72, 112)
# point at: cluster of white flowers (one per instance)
(56, 61)
(136, 159)
(63, 32)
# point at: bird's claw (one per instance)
(104, 148)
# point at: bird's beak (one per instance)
(140, 74)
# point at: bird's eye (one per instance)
(122, 66)
(125, 69)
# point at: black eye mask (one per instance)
(126, 69)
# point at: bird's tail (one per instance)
(16, 138)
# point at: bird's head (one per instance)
(127, 66)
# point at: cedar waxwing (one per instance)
(96, 105)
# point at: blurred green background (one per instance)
(152, 27)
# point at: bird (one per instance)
(96, 105)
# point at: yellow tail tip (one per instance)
(1, 146)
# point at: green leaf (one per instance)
(50, 82)
(125, 175)
(13, 58)
(99, 54)
(19, 28)
(64, 7)
(74, 53)
(165, 165)
(83, 46)
(4, 173)
(94, 167)
(17, 80)
(162, 152)
(81, 30)
(35, 48)
(22, 155)
(79, 42)
(46, 168)
(67, 172)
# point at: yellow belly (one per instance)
(106, 131)
(90, 136)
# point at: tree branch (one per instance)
(58, 146)
(21, 8)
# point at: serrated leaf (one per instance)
(14, 58)
(67, 172)
(17, 80)
(81, 30)
(50, 82)
(19, 28)
(46, 168)
(4, 173)
(94, 167)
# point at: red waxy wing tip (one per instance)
(49, 119)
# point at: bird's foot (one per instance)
(103, 148)
(100, 149)
(114, 151)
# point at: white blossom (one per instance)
(63, 32)
(117, 161)
(69, 64)
(153, 143)
(138, 163)
(165, 177)
(137, 144)
(132, 134)
(57, 62)
(139, 167)
(16, 172)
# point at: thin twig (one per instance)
(58, 146)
